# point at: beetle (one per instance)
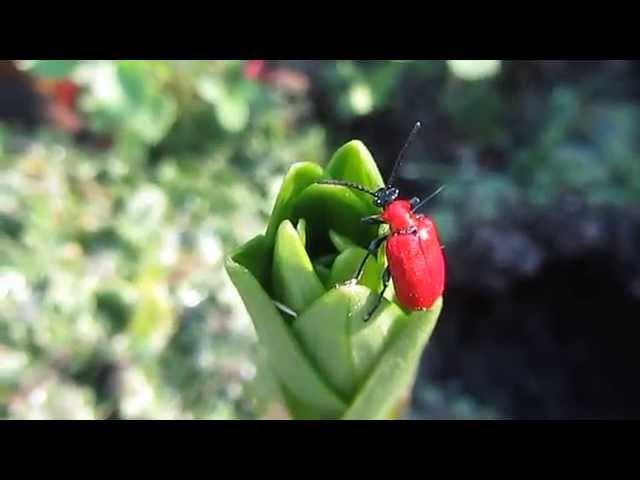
(416, 262)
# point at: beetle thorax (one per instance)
(399, 215)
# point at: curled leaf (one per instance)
(338, 340)
(346, 265)
(295, 281)
(315, 399)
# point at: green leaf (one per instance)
(324, 274)
(346, 266)
(302, 231)
(287, 359)
(299, 177)
(354, 162)
(338, 340)
(295, 282)
(254, 256)
(329, 207)
(395, 372)
(340, 241)
(326, 260)
(322, 266)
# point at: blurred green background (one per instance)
(123, 183)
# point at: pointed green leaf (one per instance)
(334, 334)
(326, 260)
(395, 372)
(354, 162)
(295, 282)
(296, 408)
(302, 231)
(254, 256)
(287, 359)
(324, 274)
(370, 339)
(340, 241)
(299, 177)
(328, 207)
(346, 265)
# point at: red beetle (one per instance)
(414, 253)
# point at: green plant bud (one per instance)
(328, 361)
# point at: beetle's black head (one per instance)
(384, 196)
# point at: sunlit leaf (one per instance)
(285, 355)
(294, 279)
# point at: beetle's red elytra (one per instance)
(416, 262)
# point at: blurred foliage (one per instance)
(113, 299)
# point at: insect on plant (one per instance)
(416, 263)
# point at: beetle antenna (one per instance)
(355, 186)
(402, 153)
(422, 202)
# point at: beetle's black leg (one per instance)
(414, 201)
(373, 248)
(386, 277)
(373, 220)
